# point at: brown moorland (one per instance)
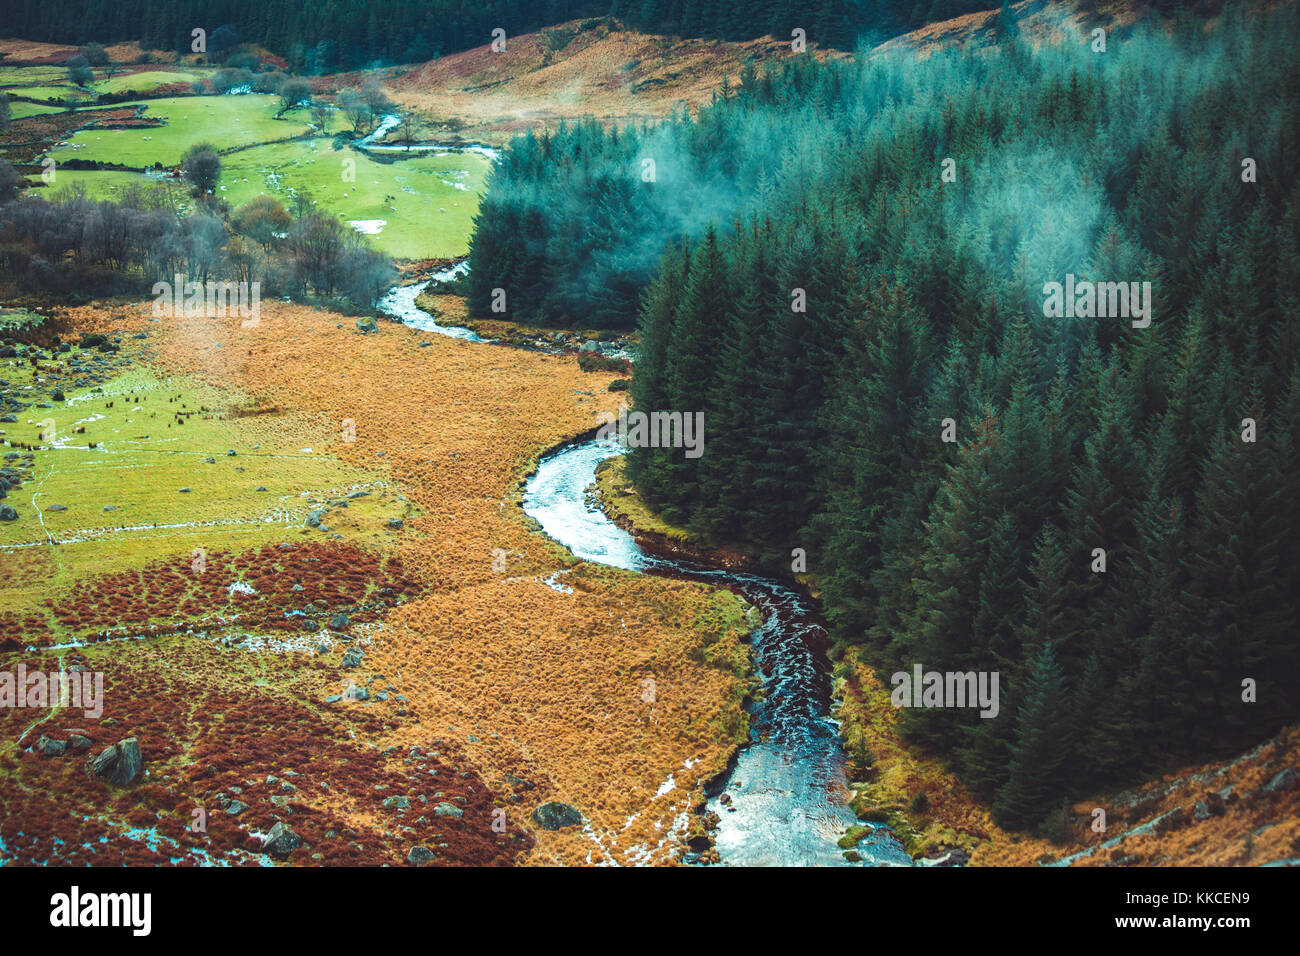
(537, 691)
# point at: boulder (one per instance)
(366, 326)
(120, 763)
(554, 815)
(51, 747)
(448, 810)
(7, 513)
(282, 841)
(397, 803)
(420, 855)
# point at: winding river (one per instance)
(785, 802)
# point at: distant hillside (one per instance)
(1039, 21)
(581, 68)
(324, 36)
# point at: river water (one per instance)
(785, 803)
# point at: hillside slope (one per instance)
(582, 68)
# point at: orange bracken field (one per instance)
(532, 690)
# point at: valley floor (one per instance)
(488, 691)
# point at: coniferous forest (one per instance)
(839, 263)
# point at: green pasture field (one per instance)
(20, 110)
(223, 121)
(426, 216)
(123, 499)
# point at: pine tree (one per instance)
(1041, 746)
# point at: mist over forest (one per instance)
(1171, 159)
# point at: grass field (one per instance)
(422, 207)
(31, 75)
(427, 213)
(224, 121)
(19, 110)
(50, 81)
(144, 81)
(51, 91)
(427, 203)
(110, 183)
(120, 505)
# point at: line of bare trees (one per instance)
(72, 243)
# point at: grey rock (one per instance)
(397, 803)
(236, 807)
(51, 747)
(78, 742)
(7, 513)
(395, 524)
(554, 815)
(338, 620)
(420, 855)
(282, 841)
(352, 658)
(120, 763)
(366, 326)
(448, 810)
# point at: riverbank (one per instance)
(926, 807)
(450, 309)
